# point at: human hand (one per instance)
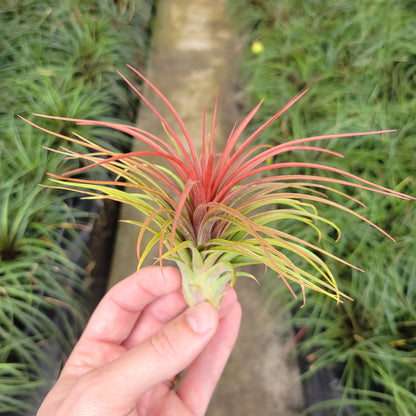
(136, 341)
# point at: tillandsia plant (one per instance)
(213, 213)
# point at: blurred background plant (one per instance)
(359, 60)
(56, 57)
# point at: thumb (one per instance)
(160, 357)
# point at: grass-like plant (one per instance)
(55, 57)
(213, 213)
(356, 59)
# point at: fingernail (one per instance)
(201, 318)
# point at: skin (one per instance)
(140, 336)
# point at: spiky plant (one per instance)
(212, 213)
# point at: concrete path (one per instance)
(194, 51)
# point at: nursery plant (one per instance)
(55, 57)
(214, 213)
(359, 64)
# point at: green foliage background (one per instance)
(358, 59)
(60, 58)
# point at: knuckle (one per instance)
(163, 346)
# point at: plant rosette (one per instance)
(214, 213)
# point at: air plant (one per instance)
(213, 213)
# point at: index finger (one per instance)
(118, 311)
